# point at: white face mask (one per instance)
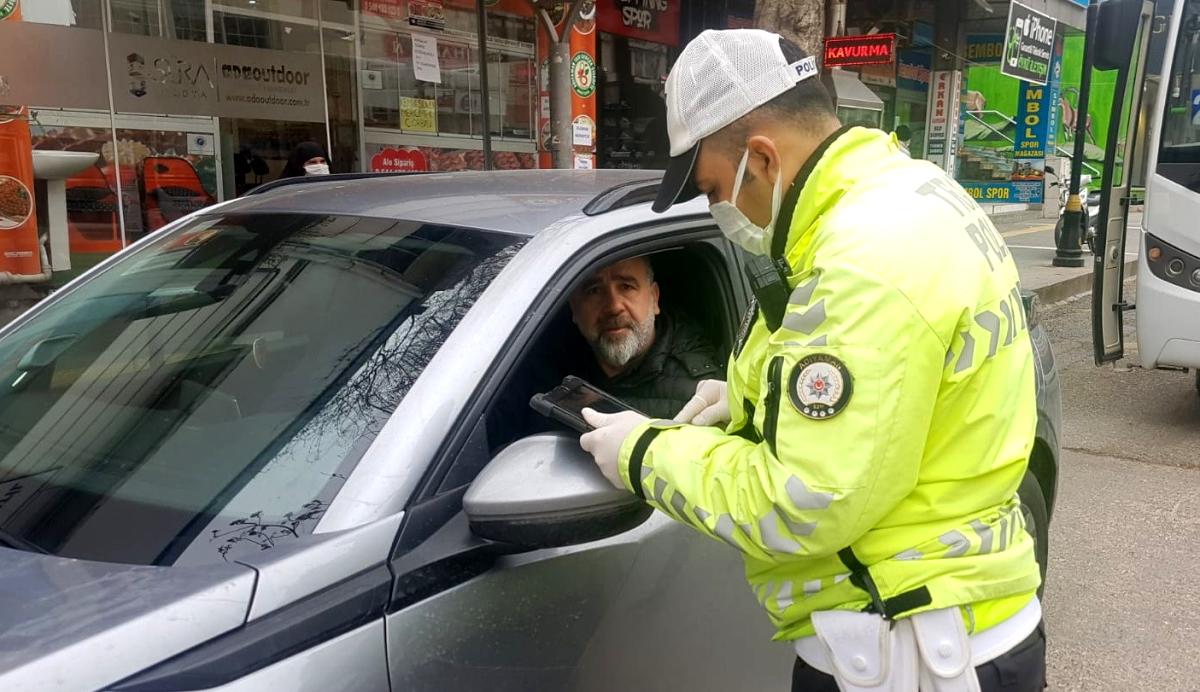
(733, 223)
(316, 169)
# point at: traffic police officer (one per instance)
(880, 406)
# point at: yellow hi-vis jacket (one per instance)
(880, 434)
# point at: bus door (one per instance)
(1120, 42)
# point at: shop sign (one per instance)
(428, 14)
(940, 107)
(63, 78)
(983, 49)
(878, 75)
(873, 49)
(418, 115)
(393, 160)
(583, 75)
(585, 162)
(151, 75)
(1028, 44)
(649, 20)
(1034, 110)
(387, 9)
(943, 118)
(1005, 192)
(913, 69)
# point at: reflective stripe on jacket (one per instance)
(886, 425)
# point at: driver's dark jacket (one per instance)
(658, 386)
(666, 377)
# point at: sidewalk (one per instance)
(1031, 242)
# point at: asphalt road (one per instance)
(1123, 596)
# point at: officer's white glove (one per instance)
(604, 443)
(710, 405)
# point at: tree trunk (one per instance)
(800, 21)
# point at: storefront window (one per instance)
(210, 98)
(62, 132)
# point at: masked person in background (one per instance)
(879, 408)
(308, 158)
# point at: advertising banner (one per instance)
(1036, 132)
(20, 251)
(159, 76)
(391, 158)
(1028, 44)
(648, 20)
(1004, 192)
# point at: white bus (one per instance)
(1168, 267)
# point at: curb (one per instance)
(1076, 285)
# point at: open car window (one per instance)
(209, 393)
(696, 282)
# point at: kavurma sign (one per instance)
(872, 49)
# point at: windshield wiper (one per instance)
(12, 540)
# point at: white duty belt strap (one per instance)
(929, 651)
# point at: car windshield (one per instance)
(207, 395)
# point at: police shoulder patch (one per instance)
(820, 386)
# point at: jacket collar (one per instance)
(832, 168)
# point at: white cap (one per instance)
(720, 77)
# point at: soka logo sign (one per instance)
(190, 78)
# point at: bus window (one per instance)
(1179, 152)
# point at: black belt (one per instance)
(889, 608)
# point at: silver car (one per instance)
(284, 444)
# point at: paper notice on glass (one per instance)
(425, 58)
(584, 162)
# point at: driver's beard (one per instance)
(619, 351)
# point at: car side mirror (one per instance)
(543, 491)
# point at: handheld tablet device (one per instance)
(565, 403)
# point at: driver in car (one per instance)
(652, 359)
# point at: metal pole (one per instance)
(481, 21)
(1068, 252)
(112, 124)
(560, 93)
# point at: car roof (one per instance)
(522, 202)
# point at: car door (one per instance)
(656, 607)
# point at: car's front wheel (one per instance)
(1037, 521)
